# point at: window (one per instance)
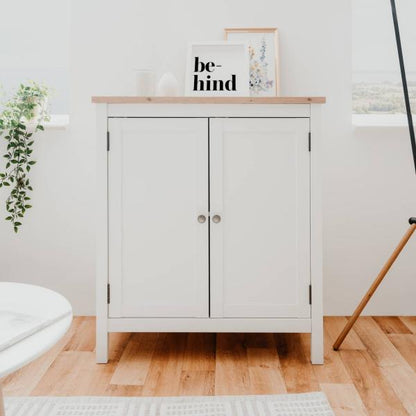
(377, 88)
(35, 46)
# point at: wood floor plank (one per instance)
(374, 390)
(117, 343)
(199, 352)
(23, 381)
(197, 383)
(156, 366)
(84, 337)
(377, 343)
(375, 369)
(231, 370)
(123, 391)
(334, 370)
(165, 371)
(403, 380)
(75, 373)
(344, 399)
(198, 370)
(406, 345)
(410, 322)
(134, 363)
(392, 325)
(254, 340)
(264, 366)
(334, 325)
(394, 367)
(295, 364)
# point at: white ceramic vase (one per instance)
(168, 85)
(145, 83)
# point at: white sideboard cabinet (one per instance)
(208, 216)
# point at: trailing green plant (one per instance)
(22, 116)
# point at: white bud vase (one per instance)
(145, 83)
(168, 85)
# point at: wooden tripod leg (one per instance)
(2, 412)
(374, 286)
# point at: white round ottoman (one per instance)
(32, 320)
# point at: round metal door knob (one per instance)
(202, 219)
(216, 219)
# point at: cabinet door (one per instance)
(260, 249)
(158, 186)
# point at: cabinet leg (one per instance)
(2, 411)
(317, 342)
(101, 346)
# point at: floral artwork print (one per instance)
(262, 45)
(259, 81)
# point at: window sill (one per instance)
(365, 121)
(57, 122)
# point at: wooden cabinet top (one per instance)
(206, 100)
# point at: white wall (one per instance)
(369, 185)
(34, 43)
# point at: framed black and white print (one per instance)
(217, 69)
(263, 58)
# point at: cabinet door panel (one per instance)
(260, 251)
(158, 185)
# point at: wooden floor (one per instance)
(373, 374)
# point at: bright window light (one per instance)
(35, 46)
(377, 88)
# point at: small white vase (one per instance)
(145, 83)
(168, 85)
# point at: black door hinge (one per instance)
(108, 293)
(108, 141)
(310, 294)
(310, 141)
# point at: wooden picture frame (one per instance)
(264, 70)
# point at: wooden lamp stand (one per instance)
(412, 220)
(376, 283)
